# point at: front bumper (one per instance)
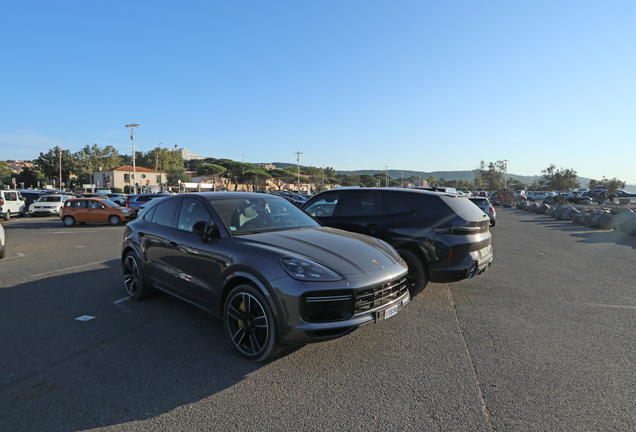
(297, 330)
(44, 211)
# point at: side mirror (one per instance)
(205, 231)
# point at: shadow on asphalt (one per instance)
(586, 234)
(133, 361)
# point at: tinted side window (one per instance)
(78, 204)
(363, 204)
(192, 211)
(165, 213)
(398, 205)
(324, 205)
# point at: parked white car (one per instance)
(48, 205)
(11, 204)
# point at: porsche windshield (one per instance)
(253, 215)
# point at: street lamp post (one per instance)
(386, 176)
(132, 127)
(242, 168)
(298, 160)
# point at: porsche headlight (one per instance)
(306, 270)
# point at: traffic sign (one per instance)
(147, 181)
(62, 184)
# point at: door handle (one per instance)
(173, 245)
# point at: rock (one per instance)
(507, 204)
(570, 213)
(600, 218)
(543, 208)
(624, 201)
(607, 202)
(580, 218)
(522, 205)
(562, 211)
(531, 208)
(549, 200)
(626, 222)
(617, 210)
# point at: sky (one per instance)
(353, 85)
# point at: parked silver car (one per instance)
(486, 207)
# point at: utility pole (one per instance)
(387, 175)
(323, 178)
(242, 168)
(132, 127)
(60, 164)
(298, 160)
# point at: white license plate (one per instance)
(388, 313)
(483, 252)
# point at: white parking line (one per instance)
(611, 306)
(73, 268)
(17, 255)
(121, 300)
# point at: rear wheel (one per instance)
(416, 277)
(68, 221)
(114, 220)
(134, 281)
(492, 223)
(7, 215)
(249, 323)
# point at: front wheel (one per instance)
(68, 221)
(114, 220)
(416, 277)
(249, 324)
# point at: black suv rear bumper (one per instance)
(473, 264)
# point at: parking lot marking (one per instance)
(611, 306)
(17, 255)
(121, 300)
(73, 268)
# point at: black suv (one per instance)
(442, 237)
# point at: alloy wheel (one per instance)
(247, 324)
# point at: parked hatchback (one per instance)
(84, 210)
(442, 237)
(272, 273)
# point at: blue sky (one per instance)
(412, 85)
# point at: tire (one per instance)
(249, 324)
(417, 278)
(134, 280)
(69, 221)
(114, 220)
(3, 250)
(22, 213)
(493, 223)
(7, 215)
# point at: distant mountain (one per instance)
(449, 175)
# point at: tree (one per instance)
(368, 180)
(161, 159)
(560, 180)
(611, 185)
(211, 170)
(491, 177)
(281, 177)
(30, 177)
(49, 164)
(92, 158)
(255, 177)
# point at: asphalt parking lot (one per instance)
(541, 341)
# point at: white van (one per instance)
(11, 204)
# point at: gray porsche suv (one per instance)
(442, 237)
(272, 273)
